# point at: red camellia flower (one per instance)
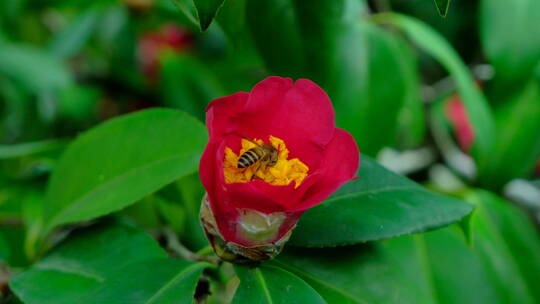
(457, 114)
(169, 37)
(272, 154)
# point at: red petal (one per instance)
(457, 114)
(220, 113)
(299, 113)
(248, 195)
(207, 167)
(340, 164)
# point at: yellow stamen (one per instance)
(282, 173)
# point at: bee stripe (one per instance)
(248, 158)
(244, 160)
(242, 164)
(252, 155)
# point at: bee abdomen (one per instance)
(248, 158)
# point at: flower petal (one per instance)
(299, 113)
(221, 112)
(340, 164)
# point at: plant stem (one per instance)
(182, 251)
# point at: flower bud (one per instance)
(252, 226)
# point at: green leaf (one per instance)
(439, 252)
(475, 103)
(187, 7)
(168, 281)
(410, 269)
(517, 147)
(272, 285)
(14, 238)
(329, 33)
(4, 249)
(187, 85)
(377, 105)
(79, 103)
(358, 274)
(505, 35)
(200, 12)
(68, 41)
(30, 148)
(442, 6)
(207, 11)
(508, 245)
(120, 161)
(275, 32)
(32, 215)
(412, 122)
(379, 204)
(35, 69)
(291, 36)
(108, 264)
(188, 192)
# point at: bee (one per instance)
(264, 155)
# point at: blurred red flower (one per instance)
(255, 205)
(457, 114)
(151, 44)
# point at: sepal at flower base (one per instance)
(258, 228)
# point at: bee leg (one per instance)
(254, 176)
(261, 165)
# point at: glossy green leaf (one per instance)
(517, 147)
(442, 6)
(36, 70)
(359, 274)
(508, 245)
(272, 285)
(121, 161)
(291, 36)
(108, 264)
(505, 32)
(411, 269)
(159, 281)
(379, 204)
(439, 253)
(383, 95)
(200, 12)
(187, 7)
(475, 103)
(329, 37)
(206, 11)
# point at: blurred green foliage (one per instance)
(392, 69)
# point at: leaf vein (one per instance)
(179, 276)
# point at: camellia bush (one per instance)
(269, 151)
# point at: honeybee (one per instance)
(264, 155)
